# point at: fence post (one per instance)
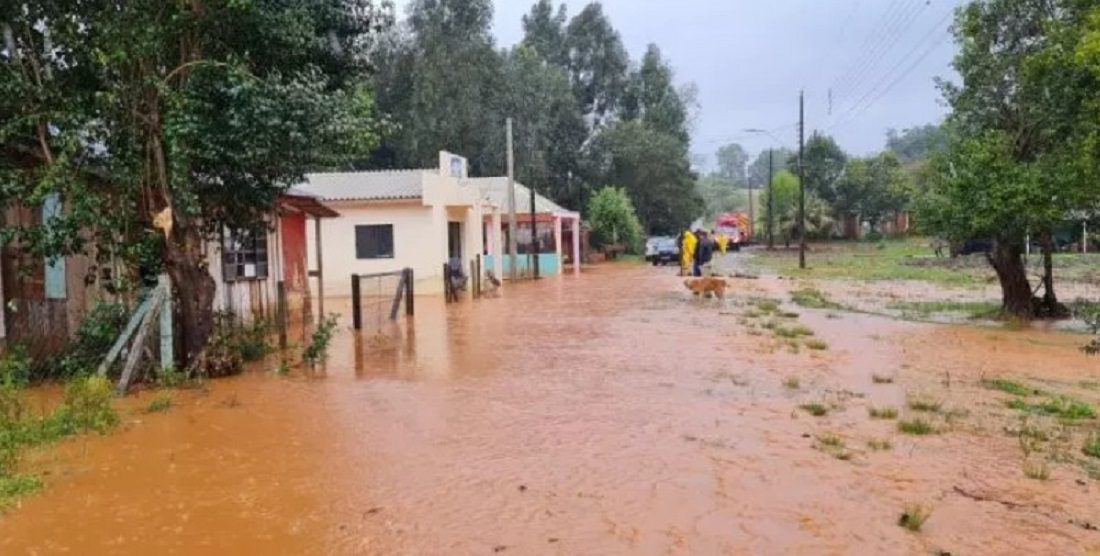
(356, 310)
(477, 286)
(281, 312)
(397, 297)
(409, 292)
(446, 283)
(167, 339)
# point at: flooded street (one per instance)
(606, 413)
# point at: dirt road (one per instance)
(601, 414)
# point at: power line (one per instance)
(872, 38)
(856, 110)
(898, 32)
(825, 54)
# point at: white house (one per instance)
(390, 220)
(558, 231)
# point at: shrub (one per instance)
(87, 407)
(613, 219)
(318, 346)
(1092, 446)
(913, 517)
(161, 402)
(252, 341)
(93, 339)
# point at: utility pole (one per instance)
(534, 237)
(771, 203)
(752, 216)
(801, 185)
(511, 202)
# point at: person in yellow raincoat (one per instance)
(687, 252)
(723, 241)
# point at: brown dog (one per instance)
(707, 286)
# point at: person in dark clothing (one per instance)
(703, 252)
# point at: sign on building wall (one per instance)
(452, 165)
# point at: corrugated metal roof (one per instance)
(496, 189)
(366, 186)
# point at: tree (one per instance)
(652, 97)
(613, 220)
(758, 170)
(720, 195)
(444, 87)
(654, 170)
(785, 202)
(548, 128)
(873, 188)
(174, 123)
(598, 64)
(732, 159)
(916, 143)
(1025, 112)
(823, 162)
(544, 33)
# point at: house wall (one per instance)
(419, 242)
(247, 299)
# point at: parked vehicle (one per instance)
(736, 227)
(652, 244)
(667, 252)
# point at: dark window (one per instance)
(244, 255)
(374, 241)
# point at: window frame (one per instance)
(235, 254)
(379, 255)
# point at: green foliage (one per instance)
(816, 344)
(1092, 446)
(1009, 387)
(732, 160)
(1065, 408)
(758, 169)
(87, 406)
(318, 346)
(920, 403)
(823, 163)
(252, 340)
(652, 168)
(15, 367)
(1090, 313)
(873, 187)
(14, 487)
(613, 220)
(880, 444)
(95, 336)
(917, 143)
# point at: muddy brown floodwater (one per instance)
(605, 413)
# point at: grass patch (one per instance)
(1062, 407)
(816, 344)
(792, 382)
(916, 426)
(1092, 446)
(881, 379)
(880, 444)
(885, 412)
(161, 402)
(795, 331)
(14, 487)
(816, 409)
(1009, 387)
(766, 305)
(788, 315)
(813, 299)
(833, 445)
(913, 517)
(1038, 470)
(927, 405)
(972, 309)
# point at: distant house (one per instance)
(558, 231)
(390, 220)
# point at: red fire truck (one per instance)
(737, 228)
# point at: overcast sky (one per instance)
(749, 58)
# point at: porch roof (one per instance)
(307, 203)
(496, 189)
(366, 186)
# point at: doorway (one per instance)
(454, 242)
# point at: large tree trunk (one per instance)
(185, 261)
(1016, 297)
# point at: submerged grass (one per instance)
(1062, 407)
(1092, 446)
(928, 405)
(792, 382)
(885, 412)
(880, 444)
(913, 517)
(161, 402)
(970, 309)
(1009, 387)
(813, 298)
(817, 409)
(916, 426)
(816, 344)
(1038, 470)
(881, 379)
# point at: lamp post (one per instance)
(771, 198)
